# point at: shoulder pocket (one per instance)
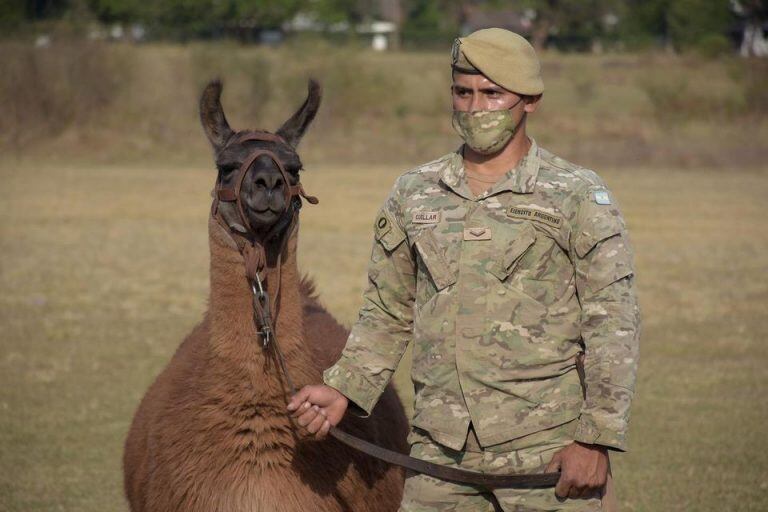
(434, 259)
(387, 231)
(512, 253)
(598, 229)
(604, 243)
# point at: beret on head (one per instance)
(502, 56)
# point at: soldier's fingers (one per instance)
(323, 430)
(315, 424)
(575, 492)
(554, 464)
(306, 418)
(596, 484)
(563, 487)
(301, 409)
(299, 397)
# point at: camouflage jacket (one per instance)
(499, 294)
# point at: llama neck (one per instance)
(233, 336)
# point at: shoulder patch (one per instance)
(388, 232)
(383, 225)
(602, 197)
(534, 214)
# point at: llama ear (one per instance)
(212, 115)
(293, 129)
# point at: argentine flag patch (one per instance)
(602, 197)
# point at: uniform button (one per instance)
(502, 292)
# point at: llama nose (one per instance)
(272, 183)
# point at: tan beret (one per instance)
(504, 57)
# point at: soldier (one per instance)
(504, 266)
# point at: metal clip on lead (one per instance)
(261, 314)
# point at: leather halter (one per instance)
(252, 249)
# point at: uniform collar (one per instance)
(520, 179)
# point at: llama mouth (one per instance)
(265, 216)
(266, 211)
(262, 208)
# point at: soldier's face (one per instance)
(471, 93)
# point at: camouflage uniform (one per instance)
(499, 294)
(530, 454)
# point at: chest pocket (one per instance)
(432, 256)
(513, 251)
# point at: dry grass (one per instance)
(104, 269)
(138, 103)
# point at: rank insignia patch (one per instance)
(477, 233)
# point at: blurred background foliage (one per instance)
(100, 101)
(711, 26)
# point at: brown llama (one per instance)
(212, 432)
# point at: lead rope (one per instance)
(262, 317)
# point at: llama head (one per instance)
(261, 194)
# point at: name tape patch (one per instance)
(522, 212)
(426, 217)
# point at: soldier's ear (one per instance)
(532, 102)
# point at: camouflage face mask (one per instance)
(486, 131)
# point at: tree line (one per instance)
(712, 25)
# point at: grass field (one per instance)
(104, 270)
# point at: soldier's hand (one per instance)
(318, 408)
(583, 470)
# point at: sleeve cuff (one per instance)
(588, 432)
(361, 393)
